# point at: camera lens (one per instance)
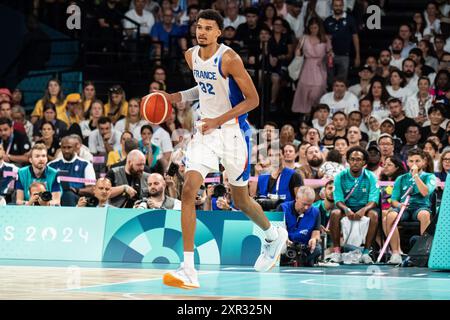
(46, 196)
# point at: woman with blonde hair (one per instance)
(117, 106)
(53, 93)
(133, 122)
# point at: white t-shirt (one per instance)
(412, 84)
(134, 128)
(347, 104)
(146, 21)
(161, 138)
(96, 144)
(397, 62)
(380, 111)
(297, 23)
(235, 24)
(411, 106)
(402, 93)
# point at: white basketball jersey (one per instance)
(217, 94)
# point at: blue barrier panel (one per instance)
(155, 236)
(51, 233)
(440, 250)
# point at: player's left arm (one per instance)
(232, 65)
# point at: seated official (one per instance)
(418, 208)
(39, 196)
(102, 194)
(282, 183)
(303, 224)
(157, 198)
(356, 195)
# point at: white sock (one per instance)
(189, 260)
(271, 233)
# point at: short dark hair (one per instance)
(210, 14)
(288, 144)
(394, 100)
(104, 120)
(357, 149)
(49, 123)
(342, 80)
(6, 121)
(339, 112)
(416, 51)
(130, 145)
(251, 10)
(433, 145)
(147, 126)
(409, 59)
(340, 138)
(334, 156)
(424, 78)
(416, 152)
(322, 106)
(270, 123)
(49, 105)
(437, 107)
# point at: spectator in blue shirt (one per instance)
(342, 29)
(165, 32)
(356, 195)
(303, 224)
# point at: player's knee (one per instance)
(336, 214)
(423, 215)
(373, 215)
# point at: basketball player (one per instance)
(226, 93)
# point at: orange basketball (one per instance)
(155, 108)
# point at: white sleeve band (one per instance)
(190, 94)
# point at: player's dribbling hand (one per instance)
(208, 125)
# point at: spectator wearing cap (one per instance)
(373, 161)
(232, 17)
(340, 99)
(436, 116)
(247, 34)
(117, 107)
(388, 126)
(295, 16)
(5, 95)
(54, 94)
(15, 143)
(401, 121)
(396, 87)
(355, 119)
(74, 110)
(417, 105)
(342, 29)
(228, 38)
(396, 49)
(412, 138)
(362, 88)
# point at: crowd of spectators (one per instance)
(390, 124)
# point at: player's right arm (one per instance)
(186, 95)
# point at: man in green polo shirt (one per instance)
(356, 194)
(37, 171)
(326, 205)
(420, 185)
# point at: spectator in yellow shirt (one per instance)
(117, 106)
(54, 94)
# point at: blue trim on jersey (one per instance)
(245, 129)
(219, 66)
(236, 96)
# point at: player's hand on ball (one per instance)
(208, 125)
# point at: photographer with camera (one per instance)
(129, 182)
(102, 194)
(218, 196)
(303, 226)
(157, 198)
(40, 172)
(38, 195)
(280, 185)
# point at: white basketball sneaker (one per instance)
(271, 251)
(182, 278)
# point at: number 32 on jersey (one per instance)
(207, 88)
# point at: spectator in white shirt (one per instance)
(145, 19)
(161, 138)
(409, 69)
(321, 115)
(362, 88)
(232, 16)
(340, 99)
(417, 105)
(431, 15)
(379, 97)
(296, 16)
(104, 139)
(396, 87)
(396, 50)
(133, 121)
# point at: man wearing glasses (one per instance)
(356, 195)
